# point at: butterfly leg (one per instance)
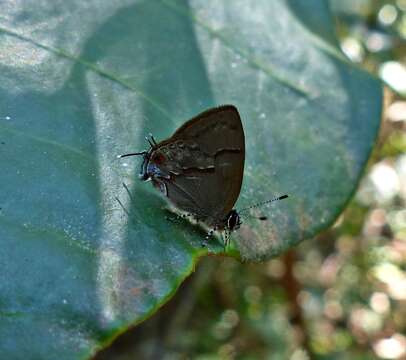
(128, 192)
(205, 242)
(208, 236)
(127, 210)
(129, 195)
(122, 206)
(226, 238)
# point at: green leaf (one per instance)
(82, 82)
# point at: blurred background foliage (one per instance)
(339, 296)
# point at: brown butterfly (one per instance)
(200, 167)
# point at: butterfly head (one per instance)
(151, 159)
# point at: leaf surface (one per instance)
(82, 82)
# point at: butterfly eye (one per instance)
(158, 158)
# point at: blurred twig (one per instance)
(292, 288)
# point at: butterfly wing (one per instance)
(203, 163)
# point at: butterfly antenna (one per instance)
(132, 154)
(150, 142)
(261, 217)
(263, 203)
(152, 139)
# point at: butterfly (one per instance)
(200, 167)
